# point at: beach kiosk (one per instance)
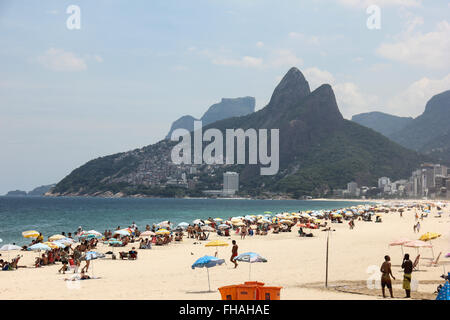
(251, 290)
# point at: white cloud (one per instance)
(413, 99)
(314, 40)
(260, 44)
(60, 60)
(423, 49)
(350, 99)
(381, 3)
(317, 77)
(284, 57)
(246, 61)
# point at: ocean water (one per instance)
(55, 215)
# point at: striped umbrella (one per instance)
(30, 234)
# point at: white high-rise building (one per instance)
(230, 183)
(383, 181)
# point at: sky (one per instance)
(133, 67)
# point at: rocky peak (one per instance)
(292, 88)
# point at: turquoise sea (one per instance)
(55, 215)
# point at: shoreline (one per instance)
(297, 264)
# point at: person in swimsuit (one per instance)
(234, 253)
(386, 274)
(407, 267)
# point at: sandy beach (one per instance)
(297, 264)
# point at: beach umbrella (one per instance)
(218, 219)
(164, 224)
(122, 232)
(284, 221)
(56, 237)
(162, 231)
(400, 242)
(113, 241)
(216, 243)
(207, 262)
(429, 236)
(30, 234)
(39, 247)
(10, 247)
(198, 221)
(267, 212)
(183, 225)
(444, 293)
(208, 228)
(51, 245)
(263, 221)
(250, 257)
(148, 234)
(58, 244)
(223, 226)
(207, 222)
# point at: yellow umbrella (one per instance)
(162, 231)
(30, 234)
(238, 224)
(429, 236)
(51, 245)
(216, 243)
(56, 237)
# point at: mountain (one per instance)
(428, 130)
(16, 193)
(40, 191)
(227, 108)
(319, 151)
(383, 123)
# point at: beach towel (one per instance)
(407, 281)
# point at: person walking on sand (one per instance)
(234, 253)
(407, 267)
(418, 227)
(386, 274)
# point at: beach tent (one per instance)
(250, 257)
(207, 262)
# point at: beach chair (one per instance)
(416, 263)
(435, 262)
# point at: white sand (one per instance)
(293, 262)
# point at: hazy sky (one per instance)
(68, 96)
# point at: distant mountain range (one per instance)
(429, 133)
(227, 108)
(319, 151)
(39, 191)
(384, 123)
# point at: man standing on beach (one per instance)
(386, 274)
(234, 253)
(407, 267)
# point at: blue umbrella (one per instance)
(183, 225)
(250, 257)
(207, 262)
(39, 247)
(444, 293)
